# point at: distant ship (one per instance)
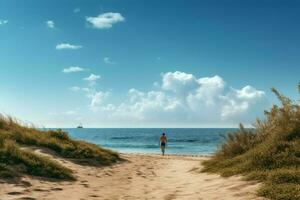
(80, 126)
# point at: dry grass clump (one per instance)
(15, 160)
(270, 153)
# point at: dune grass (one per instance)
(15, 159)
(270, 153)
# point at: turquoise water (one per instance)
(192, 141)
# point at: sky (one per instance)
(136, 63)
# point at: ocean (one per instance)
(185, 141)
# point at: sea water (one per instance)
(186, 141)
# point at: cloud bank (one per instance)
(180, 100)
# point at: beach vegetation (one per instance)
(270, 153)
(17, 155)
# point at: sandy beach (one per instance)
(141, 176)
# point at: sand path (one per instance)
(141, 177)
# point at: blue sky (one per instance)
(146, 63)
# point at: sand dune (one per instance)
(140, 177)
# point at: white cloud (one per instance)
(238, 102)
(208, 90)
(76, 10)
(134, 95)
(97, 99)
(233, 107)
(3, 22)
(105, 20)
(179, 82)
(92, 78)
(195, 91)
(108, 61)
(67, 46)
(191, 100)
(73, 69)
(249, 92)
(50, 24)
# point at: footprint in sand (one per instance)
(14, 193)
(27, 198)
(56, 189)
(40, 190)
(94, 195)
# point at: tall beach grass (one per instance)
(17, 159)
(270, 153)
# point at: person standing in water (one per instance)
(163, 143)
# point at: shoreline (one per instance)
(167, 155)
